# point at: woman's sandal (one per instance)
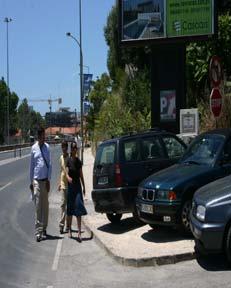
(79, 239)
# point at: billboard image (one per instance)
(166, 19)
(188, 18)
(143, 19)
(167, 105)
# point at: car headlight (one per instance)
(200, 213)
(165, 195)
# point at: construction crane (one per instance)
(49, 101)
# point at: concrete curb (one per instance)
(141, 262)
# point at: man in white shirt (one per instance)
(40, 175)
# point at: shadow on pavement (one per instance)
(124, 226)
(83, 238)
(52, 237)
(164, 234)
(215, 262)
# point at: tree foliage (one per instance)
(13, 103)
(28, 120)
(198, 58)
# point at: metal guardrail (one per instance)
(14, 146)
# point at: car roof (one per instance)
(153, 131)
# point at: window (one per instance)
(152, 148)
(131, 151)
(106, 154)
(204, 149)
(173, 146)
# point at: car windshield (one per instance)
(203, 151)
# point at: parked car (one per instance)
(210, 218)
(122, 163)
(165, 197)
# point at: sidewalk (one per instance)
(129, 243)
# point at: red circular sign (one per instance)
(215, 71)
(216, 102)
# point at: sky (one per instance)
(43, 61)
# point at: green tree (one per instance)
(13, 103)
(99, 93)
(24, 119)
(3, 97)
(120, 57)
(28, 120)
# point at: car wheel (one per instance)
(114, 217)
(185, 214)
(228, 245)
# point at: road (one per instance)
(62, 262)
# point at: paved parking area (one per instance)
(130, 243)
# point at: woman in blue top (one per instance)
(75, 205)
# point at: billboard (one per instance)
(166, 19)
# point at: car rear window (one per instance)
(105, 154)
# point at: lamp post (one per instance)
(7, 21)
(81, 88)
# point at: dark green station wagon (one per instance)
(165, 197)
(122, 163)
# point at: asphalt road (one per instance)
(14, 153)
(62, 262)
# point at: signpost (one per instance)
(215, 73)
(216, 102)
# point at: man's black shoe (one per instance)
(38, 238)
(45, 233)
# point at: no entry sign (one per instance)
(216, 102)
(215, 71)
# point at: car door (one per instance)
(131, 166)
(154, 157)
(104, 166)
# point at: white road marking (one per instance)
(9, 160)
(8, 184)
(57, 255)
(49, 286)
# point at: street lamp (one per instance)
(7, 21)
(81, 89)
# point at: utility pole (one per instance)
(7, 21)
(81, 76)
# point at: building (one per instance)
(62, 118)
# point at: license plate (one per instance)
(146, 208)
(103, 180)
